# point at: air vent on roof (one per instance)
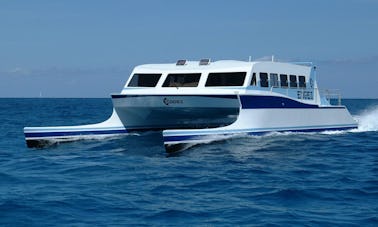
(204, 61)
(181, 62)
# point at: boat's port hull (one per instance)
(42, 136)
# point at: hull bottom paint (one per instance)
(38, 143)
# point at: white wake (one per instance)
(367, 120)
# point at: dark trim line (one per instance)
(73, 133)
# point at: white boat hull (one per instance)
(256, 121)
(41, 136)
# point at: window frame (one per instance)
(132, 80)
(176, 80)
(273, 80)
(212, 81)
(253, 80)
(301, 84)
(292, 82)
(266, 81)
(284, 83)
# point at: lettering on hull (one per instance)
(168, 102)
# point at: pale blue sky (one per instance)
(88, 48)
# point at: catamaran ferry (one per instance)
(192, 102)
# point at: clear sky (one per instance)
(88, 48)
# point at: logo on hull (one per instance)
(168, 102)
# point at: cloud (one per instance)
(361, 60)
(18, 71)
(63, 73)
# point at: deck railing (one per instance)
(331, 94)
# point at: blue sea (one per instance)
(328, 178)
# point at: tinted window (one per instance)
(253, 81)
(225, 79)
(144, 80)
(182, 80)
(264, 80)
(302, 81)
(273, 77)
(283, 79)
(293, 81)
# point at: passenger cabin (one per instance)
(294, 80)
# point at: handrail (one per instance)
(331, 94)
(306, 63)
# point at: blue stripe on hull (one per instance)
(274, 102)
(200, 137)
(73, 133)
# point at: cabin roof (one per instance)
(194, 65)
(219, 65)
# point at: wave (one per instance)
(367, 120)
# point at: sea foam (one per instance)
(367, 120)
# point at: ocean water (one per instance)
(328, 178)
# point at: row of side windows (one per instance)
(281, 80)
(219, 79)
(189, 79)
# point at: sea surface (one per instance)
(328, 178)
